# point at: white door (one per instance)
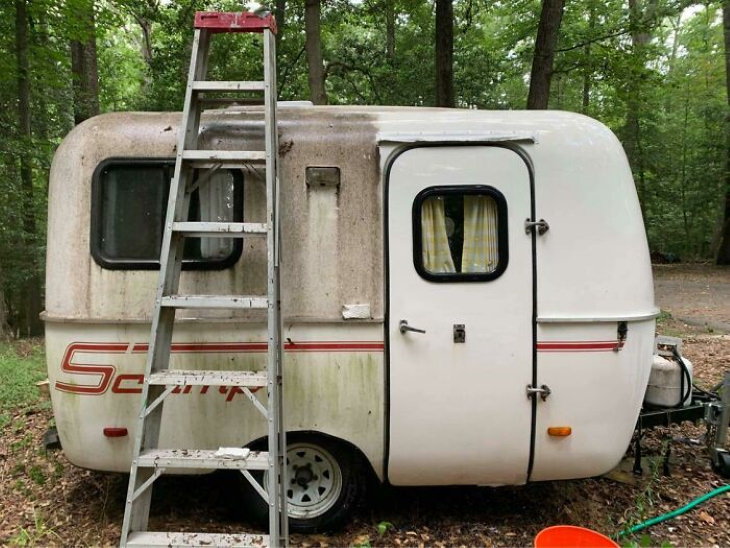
(458, 255)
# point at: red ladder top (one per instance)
(217, 21)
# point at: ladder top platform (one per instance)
(244, 21)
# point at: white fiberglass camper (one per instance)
(467, 296)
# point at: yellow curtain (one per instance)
(480, 235)
(435, 242)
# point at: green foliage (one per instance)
(364, 541)
(383, 527)
(35, 473)
(18, 375)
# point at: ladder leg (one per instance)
(137, 511)
(278, 515)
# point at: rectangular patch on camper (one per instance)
(356, 311)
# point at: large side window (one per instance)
(129, 204)
(460, 233)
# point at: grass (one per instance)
(21, 366)
(38, 535)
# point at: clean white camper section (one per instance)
(458, 411)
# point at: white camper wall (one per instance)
(592, 272)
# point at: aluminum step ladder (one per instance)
(150, 461)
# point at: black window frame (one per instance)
(502, 234)
(111, 263)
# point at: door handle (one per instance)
(403, 327)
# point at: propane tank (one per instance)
(666, 382)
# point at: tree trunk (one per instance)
(84, 66)
(723, 253)
(4, 330)
(632, 141)
(390, 30)
(30, 298)
(279, 14)
(444, 53)
(588, 68)
(313, 46)
(548, 32)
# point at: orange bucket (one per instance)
(569, 536)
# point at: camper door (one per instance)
(460, 297)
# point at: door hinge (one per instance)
(544, 391)
(541, 225)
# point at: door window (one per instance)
(460, 233)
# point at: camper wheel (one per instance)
(326, 481)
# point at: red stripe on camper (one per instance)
(129, 383)
(261, 347)
(579, 346)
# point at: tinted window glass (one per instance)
(132, 212)
(129, 203)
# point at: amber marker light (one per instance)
(560, 431)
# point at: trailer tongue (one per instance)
(672, 398)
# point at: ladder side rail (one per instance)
(278, 516)
(136, 516)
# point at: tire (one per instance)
(326, 481)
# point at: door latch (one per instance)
(459, 333)
(541, 225)
(544, 391)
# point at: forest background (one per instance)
(657, 72)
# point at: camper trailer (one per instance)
(467, 295)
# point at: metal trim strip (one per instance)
(600, 319)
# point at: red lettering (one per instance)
(232, 392)
(104, 373)
(117, 387)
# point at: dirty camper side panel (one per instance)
(99, 386)
(97, 319)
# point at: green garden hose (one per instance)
(674, 513)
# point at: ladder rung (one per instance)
(214, 301)
(217, 85)
(203, 459)
(211, 156)
(219, 230)
(174, 539)
(181, 377)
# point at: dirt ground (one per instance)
(696, 294)
(47, 501)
